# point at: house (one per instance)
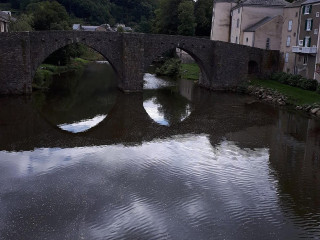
(5, 18)
(250, 14)
(264, 34)
(221, 20)
(256, 23)
(289, 36)
(308, 37)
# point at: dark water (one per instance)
(174, 163)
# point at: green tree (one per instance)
(166, 20)
(186, 18)
(49, 16)
(23, 23)
(203, 17)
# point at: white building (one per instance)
(4, 21)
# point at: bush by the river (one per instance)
(296, 81)
(170, 68)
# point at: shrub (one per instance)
(170, 68)
(293, 80)
(276, 76)
(284, 78)
(318, 89)
(308, 84)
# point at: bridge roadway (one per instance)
(223, 65)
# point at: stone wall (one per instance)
(222, 64)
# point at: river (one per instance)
(85, 161)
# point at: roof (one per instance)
(76, 26)
(89, 28)
(262, 3)
(228, 1)
(311, 2)
(297, 3)
(255, 26)
(4, 16)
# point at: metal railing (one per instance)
(310, 50)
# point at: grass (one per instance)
(45, 72)
(296, 96)
(190, 71)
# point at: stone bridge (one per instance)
(223, 65)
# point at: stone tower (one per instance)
(221, 19)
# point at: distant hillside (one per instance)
(130, 12)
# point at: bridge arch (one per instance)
(45, 44)
(204, 71)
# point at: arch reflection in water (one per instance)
(79, 101)
(167, 102)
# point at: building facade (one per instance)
(221, 21)
(289, 36)
(265, 34)
(255, 23)
(308, 38)
(4, 21)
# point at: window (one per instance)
(316, 31)
(307, 9)
(268, 44)
(294, 34)
(238, 10)
(247, 39)
(300, 42)
(308, 24)
(317, 14)
(238, 23)
(236, 39)
(307, 41)
(290, 26)
(296, 14)
(288, 41)
(286, 59)
(305, 59)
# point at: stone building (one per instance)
(221, 21)
(307, 45)
(289, 36)
(256, 23)
(251, 13)
(264, 34)
(4, 21)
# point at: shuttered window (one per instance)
(309, 24)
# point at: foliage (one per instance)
(295, 81)
(166, 21)
(170, 68)
(120, 29)
(186, 18)
(49, 16)
(308, 84)
(203, 17)
(23, 23)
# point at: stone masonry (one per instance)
(223, 65)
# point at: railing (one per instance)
(310, 50)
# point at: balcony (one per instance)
(308, 50)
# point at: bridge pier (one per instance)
(132, 63)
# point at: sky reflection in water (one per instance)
(161, 188)
(82, 125)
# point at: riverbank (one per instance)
(282, 94)
(46, 72)
(190, 71)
